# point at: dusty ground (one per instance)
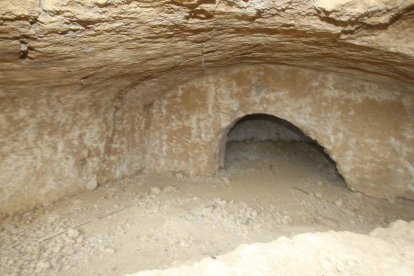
(385, 251)
(147, 222)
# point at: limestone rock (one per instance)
(78, 79)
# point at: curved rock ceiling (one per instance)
(107, 42)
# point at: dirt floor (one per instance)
(385, 251)
(266, 190)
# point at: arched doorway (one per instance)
(265, 142)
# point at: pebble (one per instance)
(73, 233)
(91, 184)
(155, 190)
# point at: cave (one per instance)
(268, 141)
(263, 127)
(184, 137)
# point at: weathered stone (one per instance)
(78, 81)
(365, 127)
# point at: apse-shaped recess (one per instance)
(264, 144)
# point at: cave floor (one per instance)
(266, 190)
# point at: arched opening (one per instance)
(263, 143)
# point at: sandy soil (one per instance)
(385, 251)
(266, 190)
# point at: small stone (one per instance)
(43, 265)
(73, 233)
(24, 48)
(338, 202)
(155, 190)
(91, 184)
(226, 180)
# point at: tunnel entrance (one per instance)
(263, 143)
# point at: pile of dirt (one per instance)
(385, 251)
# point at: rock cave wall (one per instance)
(78, 81)
(57, 143)
(365, 127)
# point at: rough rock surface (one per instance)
(386, 251)
(365, 127)
(77, 78)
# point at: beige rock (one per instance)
(355, 121)
(73, 233)
(80, 80)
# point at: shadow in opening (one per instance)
(253, 136)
